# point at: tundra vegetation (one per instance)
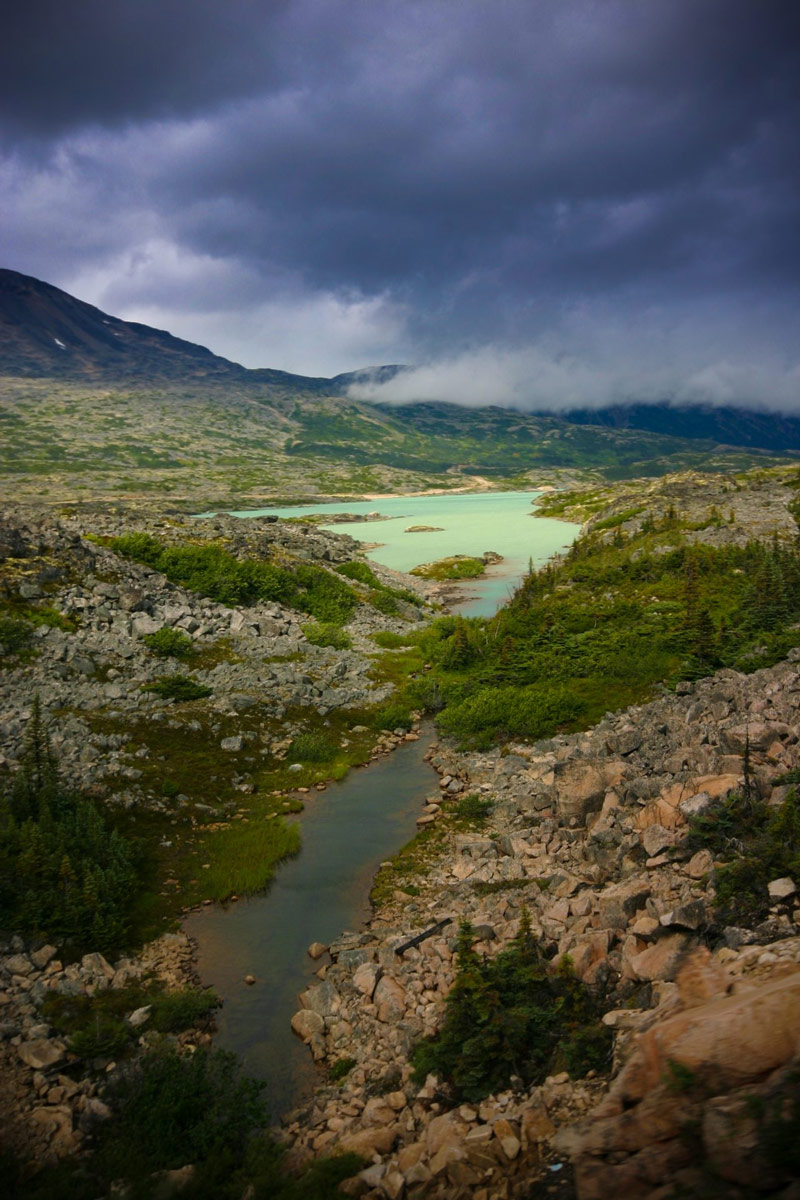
(599, 629)
(635, 603)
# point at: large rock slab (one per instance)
(42, 1053)
(581, 786)
(390, 998)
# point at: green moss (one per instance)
(341, 1068)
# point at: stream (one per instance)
(347, 831)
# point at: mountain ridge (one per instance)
(47, 333)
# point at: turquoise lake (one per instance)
(468, 523)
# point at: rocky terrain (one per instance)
(50, 1100)
(98, 663)
(589, 832)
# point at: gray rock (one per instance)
(323, 999)
(139, 1016)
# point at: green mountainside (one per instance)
(96, 406)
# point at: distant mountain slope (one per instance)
(179, 407)
(731, 426)
(46, 333)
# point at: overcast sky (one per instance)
(542, 202)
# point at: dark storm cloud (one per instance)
(438, 175)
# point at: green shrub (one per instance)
(169, 643)
(457, 567)
(588, 1049)
(385, 602)
(312, 747)
(509, 1015)
(103, 1037)
(760, 844)
(472, 807)
(342, 1067)
(504, 713)
(212, 571)
(390, 641)
(139, 546)
(172, 1109)
(178, 688)
(326, 634)
(15, 634)
(64, 873)
(174, 1011)
(407, 595)
(392, 715)
(361, 573)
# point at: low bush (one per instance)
(472, 807)
(178, 688)
(385, 602)
(392, 715)
(169, 643)
(182, 1009)
(173, 1109)
(15, 634)
(103, 1037)
(327, 634)
(760, 844)
(457, 567)
(390, 641)
(361, 573)
(504, 713)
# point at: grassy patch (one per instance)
(391, 641)
(200, 837)
(241, 857)
(312, 747)
(459, 566)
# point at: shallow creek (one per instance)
(347, 831)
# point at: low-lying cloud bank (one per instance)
(534, 379)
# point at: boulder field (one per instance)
(589, 833)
